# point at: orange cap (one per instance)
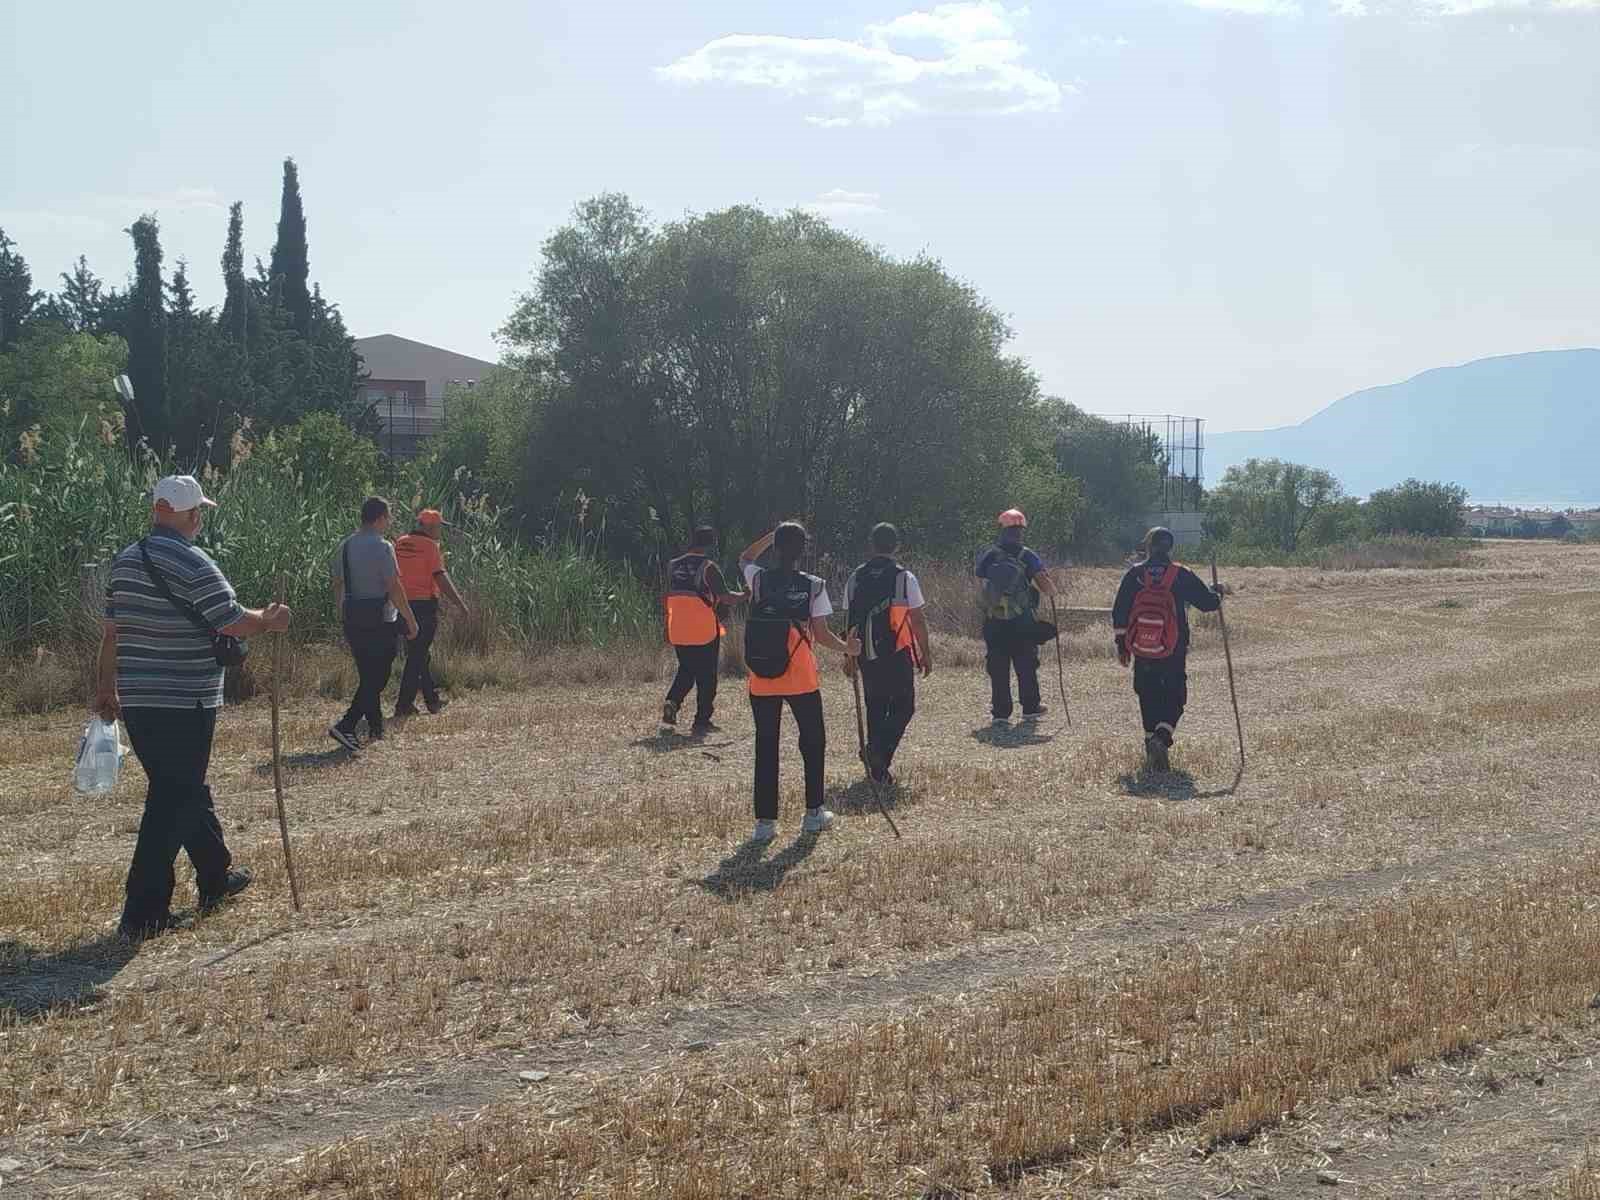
(430, 516)
(1013, 517)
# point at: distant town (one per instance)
(1500, 520)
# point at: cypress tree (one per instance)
(290, 257)
(147, 336)
(81, 302)
(236, 293)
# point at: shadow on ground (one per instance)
(1011, 737)
(748, 869)
(321, 760)
(858, 798)
(668, 740)
(1171, 785)
(34, 984)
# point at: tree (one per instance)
(1558, 527)
(291, 264)
(17, 297)
(81, 304)
(59, 380)
(236, 291)
(1119, 468)
(1269, 503)
(147, 337)
(1423, 509)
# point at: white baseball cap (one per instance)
(180, 493)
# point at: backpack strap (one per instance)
(183, 606)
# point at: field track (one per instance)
(543, 882)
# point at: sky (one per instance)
(1233, 209)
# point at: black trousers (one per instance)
(768, 712)
(174, 747)
(1011, 649)
(889, 691)
(374, 651)
(697, 669)
(1162, 685)
(419, 654)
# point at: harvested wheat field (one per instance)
(536, 958)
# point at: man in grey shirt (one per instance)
(369, 596)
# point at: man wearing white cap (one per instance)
(166, 606)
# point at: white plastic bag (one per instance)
(100, 757)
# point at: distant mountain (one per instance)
(1525, 427)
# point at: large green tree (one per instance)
(1270, 504)
(146, 331)
(59, 380)
(1415, 507)
(291, 264)
(235, 288)
(740, 367)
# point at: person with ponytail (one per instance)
(788, 616)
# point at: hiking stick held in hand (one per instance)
(1061, 671)
(1233, 692)
(861, 741)
(277, 759)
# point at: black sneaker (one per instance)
(701, 728)
(150, 929)
(235, 882)
(347, 740)
(1034, 714)
(669, 712)
(435, 707)
(1155, 752)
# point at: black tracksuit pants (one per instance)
(374, 651)
(1011, 649)
(174, 747)
(889, 691)
(419, 658)
(1162, 685)
(768, 713)
(697, 669)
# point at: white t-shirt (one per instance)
(821, 606)
(913, 592)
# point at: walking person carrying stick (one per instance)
(1151, 624)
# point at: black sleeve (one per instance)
(714, 580)
(1123, 608)
(1191, 589)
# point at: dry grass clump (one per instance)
(1581, 1182)
(1217, 1044)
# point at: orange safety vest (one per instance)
(893, 602)
(691, 617)
(802, 676)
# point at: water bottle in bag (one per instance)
(99, 758)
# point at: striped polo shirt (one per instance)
(163, 659)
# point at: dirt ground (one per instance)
(536, 909)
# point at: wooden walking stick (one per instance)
(1061, 671)
(1233, 691)
(277, 759)
(861, 741)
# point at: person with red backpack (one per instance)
(1151, 621)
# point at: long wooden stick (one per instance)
(861, 740)
(1061, 671)
(1233, 692)
(277, 758)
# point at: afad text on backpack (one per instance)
(1153, 621)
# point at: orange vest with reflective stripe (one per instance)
(691, 616)
(801, 677)
(898, 609)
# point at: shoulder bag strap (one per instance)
(349, 592)
(157, 578)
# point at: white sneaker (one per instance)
(765, 831)
(817, 820)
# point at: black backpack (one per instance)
(1007, 591)
(779, 601)
(877, 582)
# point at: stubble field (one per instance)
(538, 959)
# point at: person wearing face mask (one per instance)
(166, 603)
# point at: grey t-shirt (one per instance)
(372, 566)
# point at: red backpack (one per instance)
(1153, 623)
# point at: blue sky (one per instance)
(1238, 209)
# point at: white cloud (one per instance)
(840, 202)
(954, 58)
(1254, 8)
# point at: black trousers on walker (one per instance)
(768, 713)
